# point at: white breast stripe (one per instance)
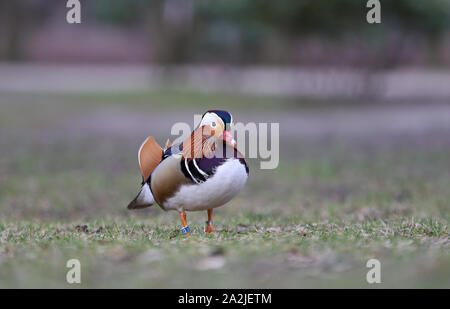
(190, 174)
(201, 171)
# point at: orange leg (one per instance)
(209, 223)
(185, 228)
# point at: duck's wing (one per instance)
(175, 171)
(167, 178)
(149, 156)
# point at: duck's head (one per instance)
(219, 123)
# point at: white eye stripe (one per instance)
(208, 119)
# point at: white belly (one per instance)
(225, 184)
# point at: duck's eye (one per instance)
(213, 123)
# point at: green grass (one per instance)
(278, 252)
(313, 222)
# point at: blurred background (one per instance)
(299, 48)
(364, 119)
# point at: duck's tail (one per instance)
(143, 199)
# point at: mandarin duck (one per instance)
(204, 172)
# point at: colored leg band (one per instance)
(185, 230)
